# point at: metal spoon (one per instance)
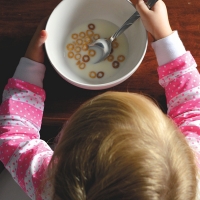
(105, 44)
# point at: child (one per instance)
(115, 146)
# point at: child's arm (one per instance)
(181, 81)
(24, 155)
(177, 73)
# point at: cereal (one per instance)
(78, 56)
(100, 74)
(79, 41)
(110, 58)
(70, 54)
(92, 74)
(82, 34)
(121, 58)
(82, 66)
(87, 40)
(86, 58)
(74, 36)
(92, 52)
(89, 33)
(77, 49)
(115, 64)
(96, 36)
(85, 47)
(70, 47)
(115, 44)
(91, 26)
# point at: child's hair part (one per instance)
(122, 146)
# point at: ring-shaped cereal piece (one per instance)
(77, 56)
(110, 58)
(82, 66)
(85, 47)
(86, 58)
(70, 47)
(92, 74)
(77, 49)
(100, 74)
(70, 54)
(82, 34)
(74, 36)
(79, 41)
(115, 44)
(91, 26)
(115, 64)
(89, 33)
(92, 52)
(121, 58)
(87, 40)
(96, 36)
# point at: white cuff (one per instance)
(168, 49)
(30, 71)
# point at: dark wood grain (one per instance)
(18, 21)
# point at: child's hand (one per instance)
(35, 50)
(155, 20)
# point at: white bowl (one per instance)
(69, 14)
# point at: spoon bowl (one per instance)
(105, 46)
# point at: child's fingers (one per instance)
(43, 33)
(42, 37)
(142, 7)
(38, 39)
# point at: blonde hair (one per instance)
(121, 146)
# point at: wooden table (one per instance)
(18, 21)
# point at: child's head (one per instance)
(121, 146)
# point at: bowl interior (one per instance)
(69, 14)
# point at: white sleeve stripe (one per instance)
(13, 138)
(189, 95)
(30, 145)
(16, 94)
(189, 113)
(37, 161)
(165, 80)
(35, 165)
(13, 120)
(190, 123)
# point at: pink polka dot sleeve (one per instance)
(22, 152)
(181, 81)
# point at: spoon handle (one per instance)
(131, 20)
(128, 23)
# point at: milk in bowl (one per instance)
(81, 59)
